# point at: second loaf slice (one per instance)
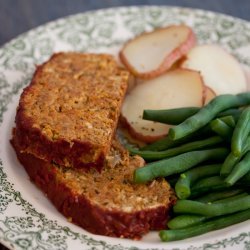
(107, 203)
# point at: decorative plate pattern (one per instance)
(27, 219)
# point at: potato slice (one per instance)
(209, 95)
(174, 89)
(151, 54)
(220, 70)
(246, 70)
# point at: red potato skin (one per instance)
(167, 63)
(78, 209)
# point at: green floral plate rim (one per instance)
(27, 219)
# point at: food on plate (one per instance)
(151, 54)
(219, 69)
(174, 89)
(241, 132)
(209, 95)
(210, 180)
(150, 155)
(205, 227)
(169, 116)
(69, 112)
(207, 113)
(246, 70)
(223, 127)
(68, 115)
(232, 160)
(196, 139)
(178, 163)
(107, 203)
(188, 179)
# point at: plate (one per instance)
(27, 218)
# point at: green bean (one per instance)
(243, 99)
(221, 128)
(232, 112)
(229, 120)
(213, 209)
(191, 146)
(208, 113)
(224, 200)
(187, 220)
(217, 195)
(183, 185)
(163, 144)
(207, 185)
(169, 116)
(231, 160)
(241, 132)
(227, 166)
(166, 142)
(204, 227)
(177, 164)
(239, 170)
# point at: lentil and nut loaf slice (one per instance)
(69, 112)
(106, 203)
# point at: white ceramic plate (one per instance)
(27, 218)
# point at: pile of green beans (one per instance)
(206, 158)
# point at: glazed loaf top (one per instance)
(69, 112)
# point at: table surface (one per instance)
(18, 16)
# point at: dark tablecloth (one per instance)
(18, 16)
